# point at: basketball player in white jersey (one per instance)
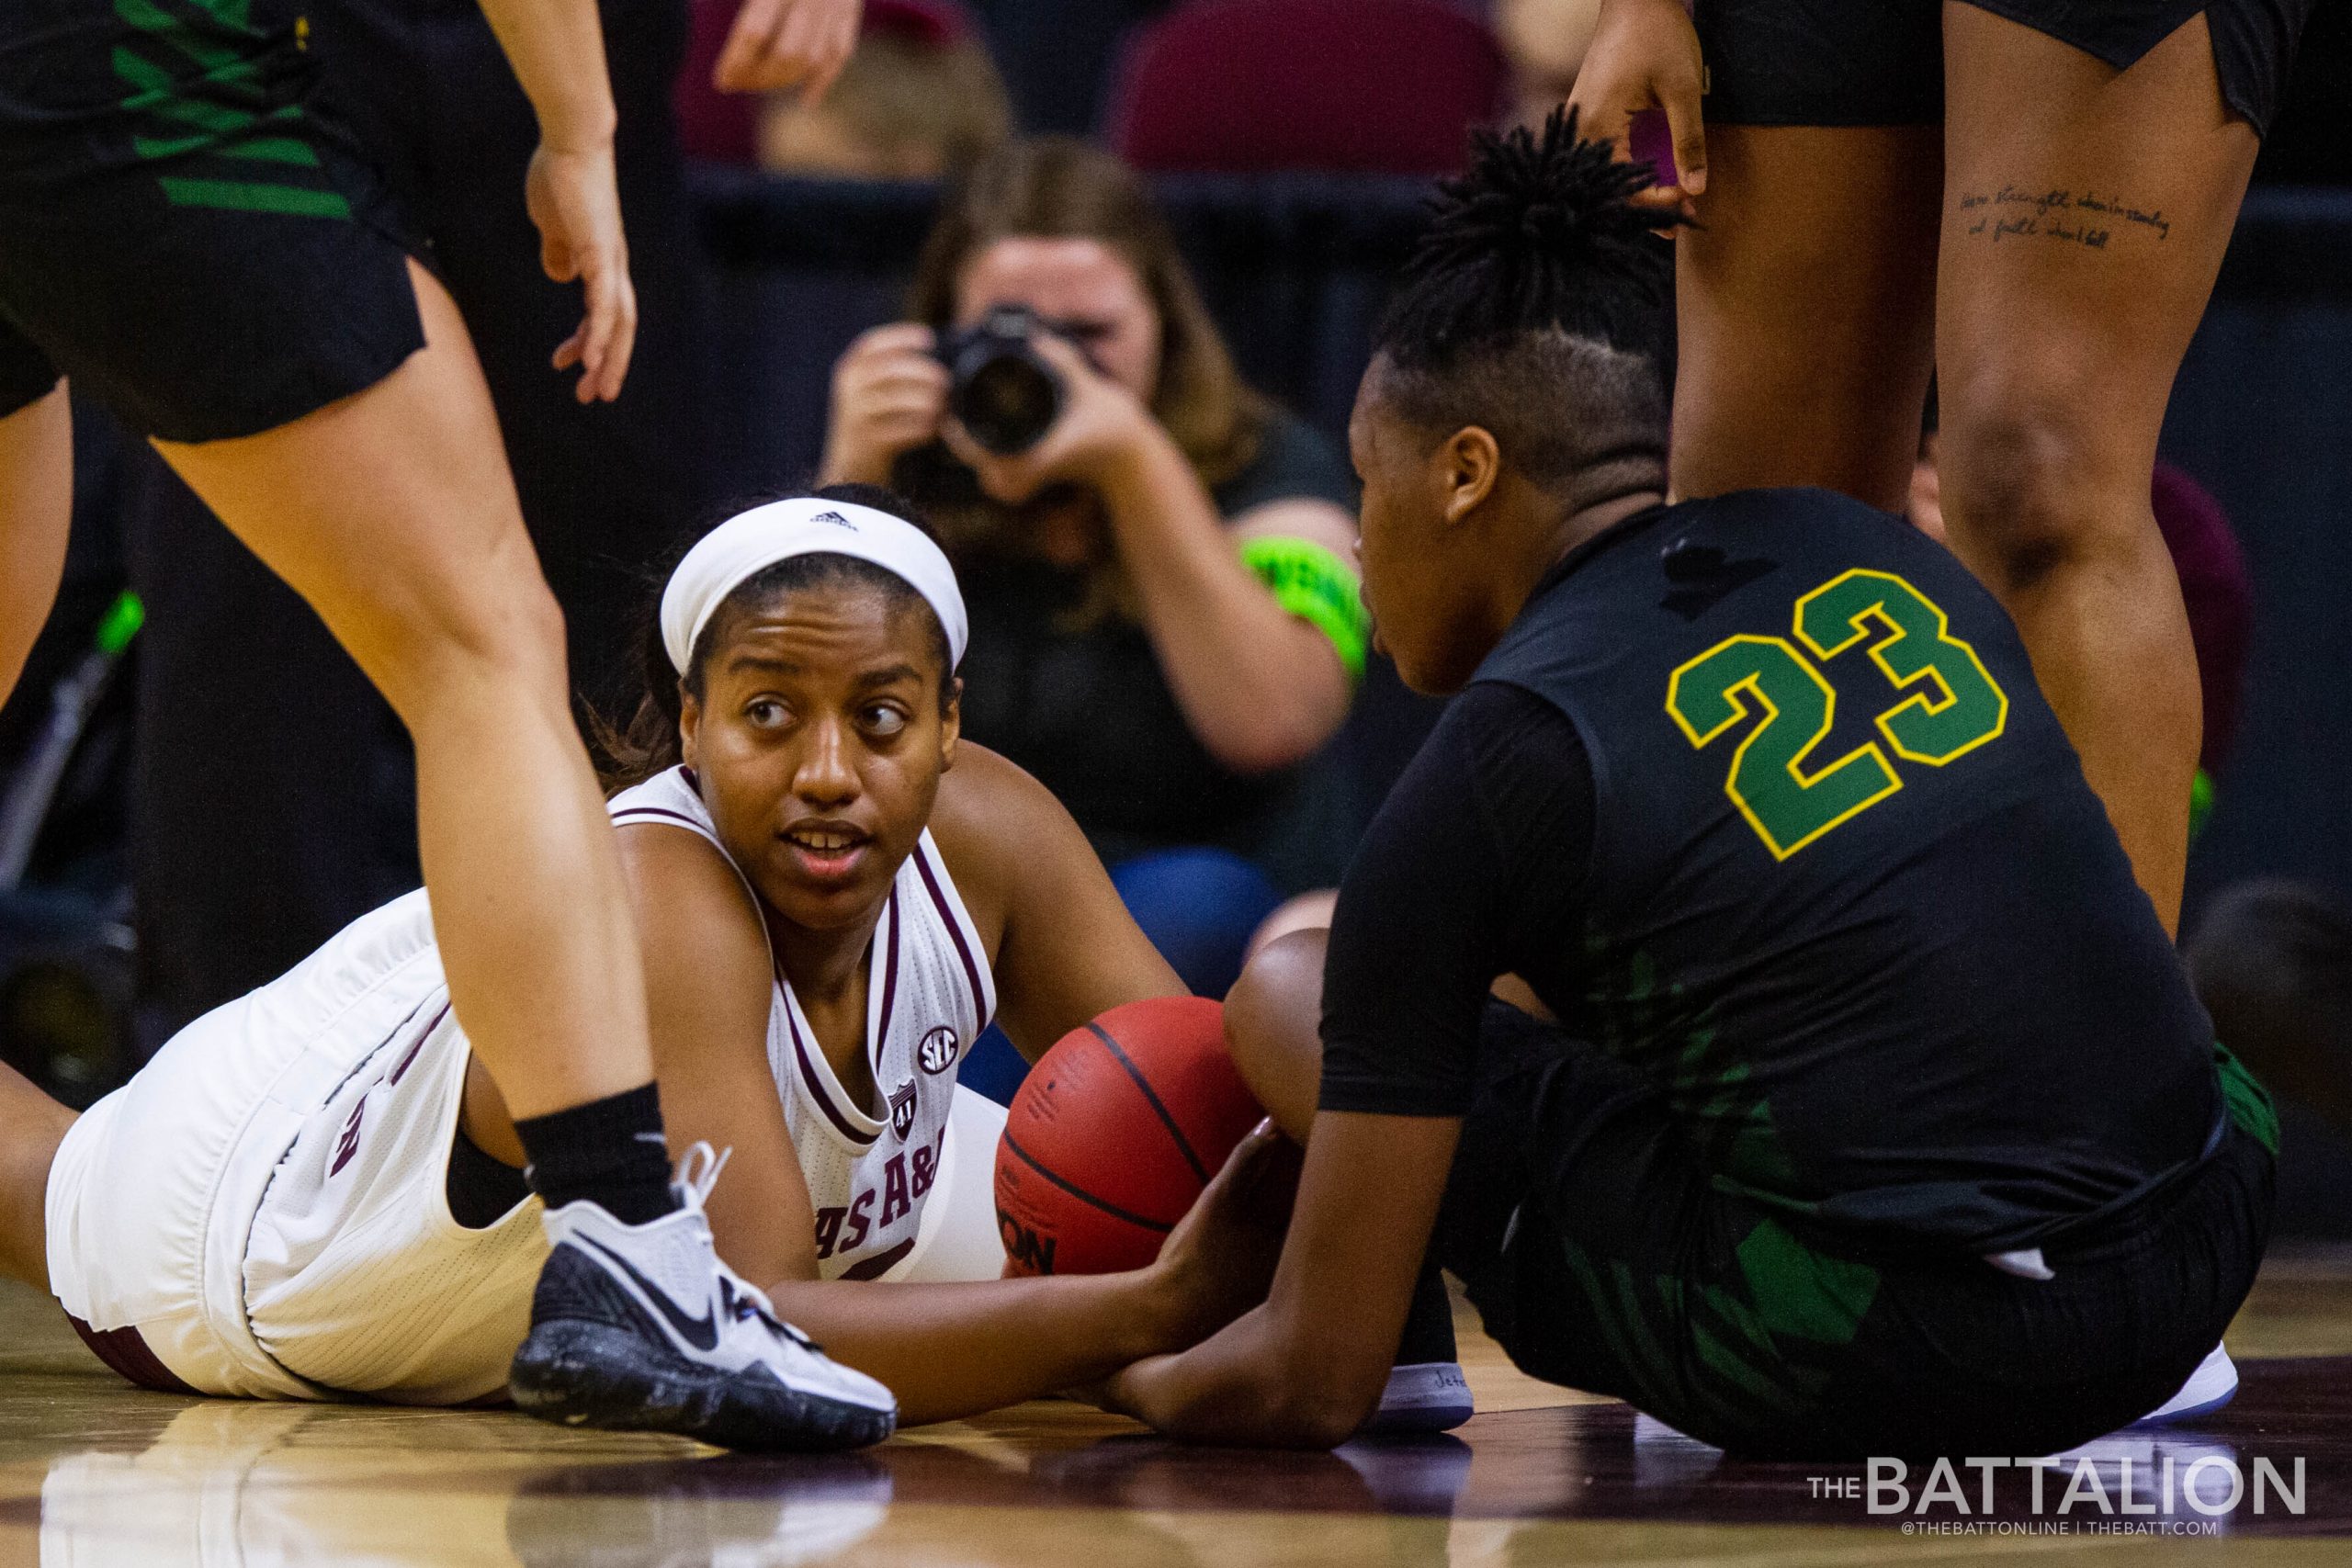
(311, 1193)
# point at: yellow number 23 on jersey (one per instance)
(1952, 705)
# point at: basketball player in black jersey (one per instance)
(1869, 1110)
(2029, 198)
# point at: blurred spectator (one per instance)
(1544, 40)
(2273, 962)
(919, 99)
(1372, 86)
(2213, 583)
(1165, 617)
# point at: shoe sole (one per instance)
(2213, 1385)
(590, 1374)
(1431, 1396)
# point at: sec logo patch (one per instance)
(938, 1049)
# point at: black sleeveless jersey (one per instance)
(1850, 903)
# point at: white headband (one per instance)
(751, 542)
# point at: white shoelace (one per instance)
(698, 1172)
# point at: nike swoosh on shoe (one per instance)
(700, 1333)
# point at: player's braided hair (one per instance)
(1539, 234)
(1537, 272)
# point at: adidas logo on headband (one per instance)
(724, 558)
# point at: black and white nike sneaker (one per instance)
(643, 1328)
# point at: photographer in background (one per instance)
(1159, 561)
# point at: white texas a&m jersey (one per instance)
(929, 994)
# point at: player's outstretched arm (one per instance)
(1064, 949)
(947, 1350)
(1305, 1370)
(557, 48)
(1394, 993)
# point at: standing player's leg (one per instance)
(36, 511)
(1805, 310)
(31, 1126)
(391, 513)
(2085, 215)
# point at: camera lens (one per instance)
(1000, 388)
(1008, 401)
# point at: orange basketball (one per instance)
(1116, 1132)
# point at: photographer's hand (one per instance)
(889, 395)
(1261, 687)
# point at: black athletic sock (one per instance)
(483, 1191)
(1429, 1327)
(609, 1151)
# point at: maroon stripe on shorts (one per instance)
(127, 1355)
(409, 1060)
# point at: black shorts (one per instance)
(1882, 62)
(1602, 1256)
(185, 230)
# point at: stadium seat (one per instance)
(1375, 86)
(720, 127)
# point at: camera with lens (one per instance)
(1000, 388)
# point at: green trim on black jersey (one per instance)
(2249, 1102)
(1749, 1340)
(214, 102)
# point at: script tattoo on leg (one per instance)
(2059, 214)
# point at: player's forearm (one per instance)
(1305, 1368)
(949, 1350)
(1260, 687)
(1246, 1385)
(557, 48)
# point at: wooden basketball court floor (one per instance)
(92, 1472)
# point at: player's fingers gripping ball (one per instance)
(1116, 1132)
